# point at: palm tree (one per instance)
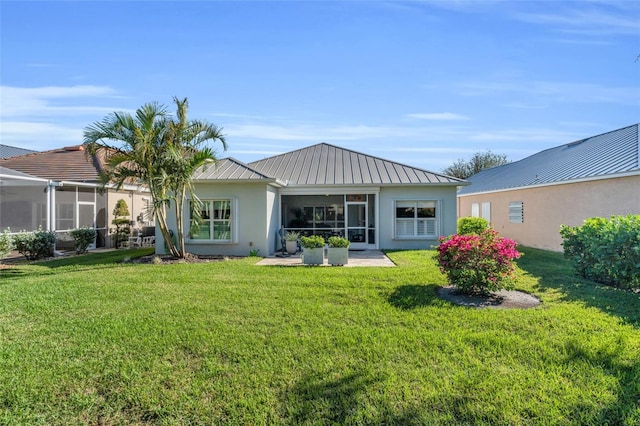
(158, 150)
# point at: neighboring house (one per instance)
(59, 190)
(528, 200)
(321, 189)
(7, 151)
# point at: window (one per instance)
(486, 211)
(475, 210)
(516, 212)
(416, 219)
(216, 222)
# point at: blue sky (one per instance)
(419, 82)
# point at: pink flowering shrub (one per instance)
(478, 264)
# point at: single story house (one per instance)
(321, 189)
(59, 190)
(528, 200)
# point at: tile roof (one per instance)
(69, 163)
(5, 172)
(603, 155)
(325, 164)
(7, 151)
(229, 169)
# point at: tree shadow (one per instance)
(413, 296)
(337, 399)
(554, 273)
(85, 262)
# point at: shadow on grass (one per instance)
(554, 272)
(90, 261)
(625, 410)
(412, 296)
(340, 400)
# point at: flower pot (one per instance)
(337, 255)
(313, 256)
(292, 247)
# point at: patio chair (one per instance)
(282, 233)
(135, 242)
(149, 241)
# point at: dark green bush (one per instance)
(35, 245)
(605, 250)
(82, 238)
(472, 225)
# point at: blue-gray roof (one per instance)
(606, 155)
(325, 164)
(7, 151)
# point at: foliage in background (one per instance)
(605, 250)
(36, 244)
(478, 264)
(161, 151)
(82, 238)
(121, 222)
(472, 225)
(314, 241)
(6, 243)
(339, 242)
(479, 161)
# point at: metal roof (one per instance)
(7, 151)
(603, 155)
(325, 164)
(230, 169)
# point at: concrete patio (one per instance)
(356, 258)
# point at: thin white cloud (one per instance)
(556, 91)
(438, 116)
(38, 136)
(41, 101)
(591, 21)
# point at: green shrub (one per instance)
(478, 264)
(314, 241)
(472, 225)
(35, 245)
(340, 242)
(82, 238)
(605, 250)
(6, 243)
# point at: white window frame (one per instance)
(233, 223)
(417, 221)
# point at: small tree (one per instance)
(121, 221)
(479, 161)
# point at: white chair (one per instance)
(135, 242)
(149, 241)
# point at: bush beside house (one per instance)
(605, 250)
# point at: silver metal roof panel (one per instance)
(610, 153)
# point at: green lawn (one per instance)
(90, 340)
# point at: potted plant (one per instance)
(313, 250)
(338, 252)
(291, 241)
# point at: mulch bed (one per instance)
(503, 299)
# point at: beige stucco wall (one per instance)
(446, 195)
(548, 207)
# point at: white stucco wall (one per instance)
(446, 197)
(255, 210)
